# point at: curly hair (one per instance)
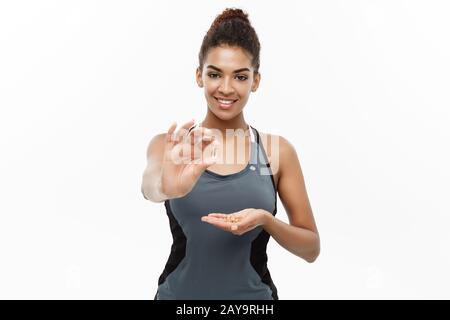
(232, 27)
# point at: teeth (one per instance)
(225, 101)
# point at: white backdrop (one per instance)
(360, 88)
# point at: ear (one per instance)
(198, 77)
(256, 80)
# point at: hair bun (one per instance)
(231, 28)
(229, 14)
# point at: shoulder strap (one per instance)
(257, 148)
(264, 167)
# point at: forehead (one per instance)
(228, 58)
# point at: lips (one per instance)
(225, 105)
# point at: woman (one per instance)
(221, 212)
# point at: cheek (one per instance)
(210, 94)
(209, 88)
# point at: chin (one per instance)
(223, 115)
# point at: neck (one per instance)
(213, 122)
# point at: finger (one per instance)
(207, 153)
(183, 130)
(204, 150)
(197, 153)
(202, 130)
(170, 132)
(198, 134)
(177, 155)
(210, 149)
(200, 163)
(199, 166)
(205, 163)
(208, 139)
(199, 141)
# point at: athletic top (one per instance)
(209, 263)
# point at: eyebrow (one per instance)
(235, 71)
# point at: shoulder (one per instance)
(280, 151)
(273, 142)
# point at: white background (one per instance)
(360, 88)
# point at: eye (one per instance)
(215, 75)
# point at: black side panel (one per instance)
(258, 259)
(258, 255)
(178, 250)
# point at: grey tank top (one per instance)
(206, 262)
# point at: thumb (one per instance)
(205, 164)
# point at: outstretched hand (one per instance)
(186, 156)
(238, 222)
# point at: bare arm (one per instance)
(151, 178)
(300, 236)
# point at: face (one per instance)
(227, 75)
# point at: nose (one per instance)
(225, 87)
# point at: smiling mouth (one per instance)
(225, 104)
